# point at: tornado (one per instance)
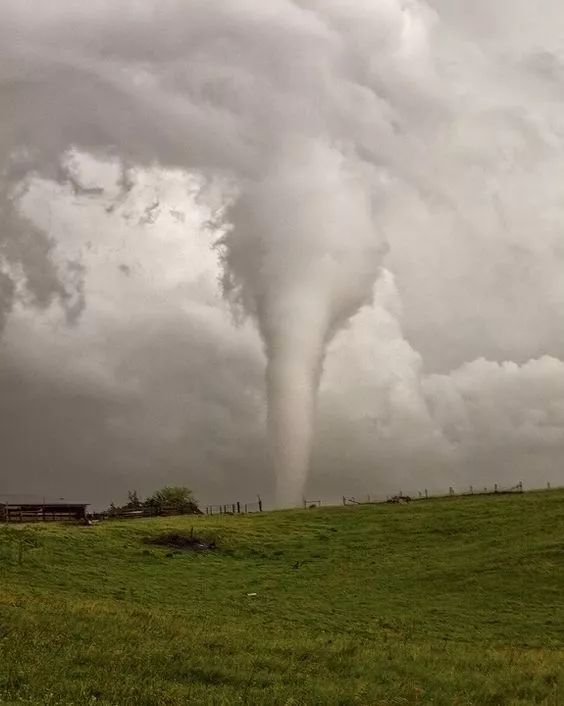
(302, 257)
(305, 109)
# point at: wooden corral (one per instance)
(26, 510)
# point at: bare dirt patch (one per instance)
(185, 541)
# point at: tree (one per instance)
(172, 496)
(176, 498)
(133, 501)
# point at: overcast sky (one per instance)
(126, 131)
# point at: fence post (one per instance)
(451, 490)
(259, 503)
(238, 507)
(245, 508)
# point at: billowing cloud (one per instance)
(311, 139)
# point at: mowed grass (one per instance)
(454, 601)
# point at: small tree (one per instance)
(133, 501)
(171, 496)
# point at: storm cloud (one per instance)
(386, 175)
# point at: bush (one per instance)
(170, 498)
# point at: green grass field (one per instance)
(454, 601)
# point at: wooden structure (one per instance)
(25, 509)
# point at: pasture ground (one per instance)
(453, 601)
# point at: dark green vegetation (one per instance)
(455, 601)
(175, 497)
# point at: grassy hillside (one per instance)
(455, 601)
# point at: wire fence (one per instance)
(236, 508)
(425, 494)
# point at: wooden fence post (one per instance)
(238, 507)
(259, 503)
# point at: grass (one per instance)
(454, 601)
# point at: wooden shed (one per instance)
(26, 509)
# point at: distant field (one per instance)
(453, 601)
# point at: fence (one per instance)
(130, 514)
(401, 497)
(496, 489)
(30, 512)
(236, 508)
